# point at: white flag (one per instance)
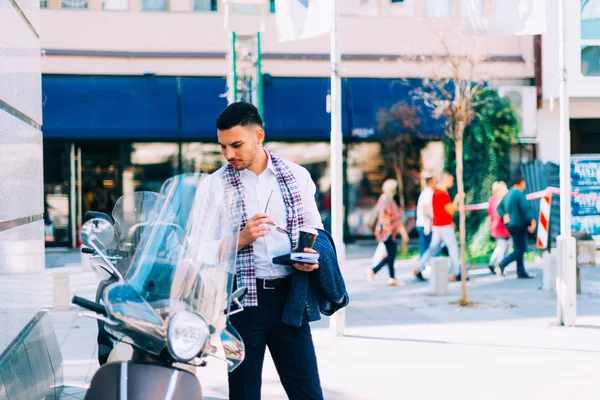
(508, 17)
(301, 19)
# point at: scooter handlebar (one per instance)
(89, 305)
(87, 250)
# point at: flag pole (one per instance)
(566, 296)
(337, 322)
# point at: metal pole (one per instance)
(73, 199)
(259, 77)
(567, 267)
(233, 89)
(337, 322)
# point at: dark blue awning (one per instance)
(146, 107)
(203, 98)
(369, 96)
(296, 108)
(109, 107)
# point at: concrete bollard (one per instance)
(60, 292)
(549, 272)
(438, 281)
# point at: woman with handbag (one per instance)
(387, 228)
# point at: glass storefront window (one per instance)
(115, 5)
(365, 174)
(590, 37)
(154, 5)
(57, 174)
(78, 4)
(111, 168)
(201, 157)
(590, 19)
(590, 60)
(248, 9)
(205, 5)
(150, 164)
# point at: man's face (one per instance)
(449, 181)
(240, 145)
(432, 183)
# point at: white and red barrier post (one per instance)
(544, 222)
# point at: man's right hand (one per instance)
(531, 227)
(256, 227)
(506, 219)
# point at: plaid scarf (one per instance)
(294, 212)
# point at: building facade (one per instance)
(21, 177)
(131, 89)
(583, 69)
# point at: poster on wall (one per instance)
(585, 179)
(585, 171)
(585, 206)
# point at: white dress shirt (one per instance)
(257, 190)
(425, 200)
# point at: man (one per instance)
(425, 214)
(514, 210)
(277, 196)
(443, 230)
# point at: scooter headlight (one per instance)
(187, 335)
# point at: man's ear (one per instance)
(260, 135)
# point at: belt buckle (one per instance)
(265, 287)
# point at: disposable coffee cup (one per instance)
(307, 238)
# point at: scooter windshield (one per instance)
(185, 259)
(131, 214)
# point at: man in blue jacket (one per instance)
(278, 198)
(517, 215)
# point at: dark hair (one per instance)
(240, 113)
(429, 179)
(517, 179)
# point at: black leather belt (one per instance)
(271, 284)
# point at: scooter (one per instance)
(129, 217)
(173, 302)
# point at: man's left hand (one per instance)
(306, 267)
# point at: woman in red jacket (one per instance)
(497, 228)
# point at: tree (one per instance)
(400, 136)
(454, 96)
(487, 143)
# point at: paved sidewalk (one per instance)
(401, 342)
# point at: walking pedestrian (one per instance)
(387, 228)
(516, 214)
(425, 214)
(498, 230)
(443, 229)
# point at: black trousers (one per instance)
(519, 236)
(291, 347)
(391, 247)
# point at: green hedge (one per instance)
(487, 143)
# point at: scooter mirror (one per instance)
(97, 231)
(233, 347)
(97, 214)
